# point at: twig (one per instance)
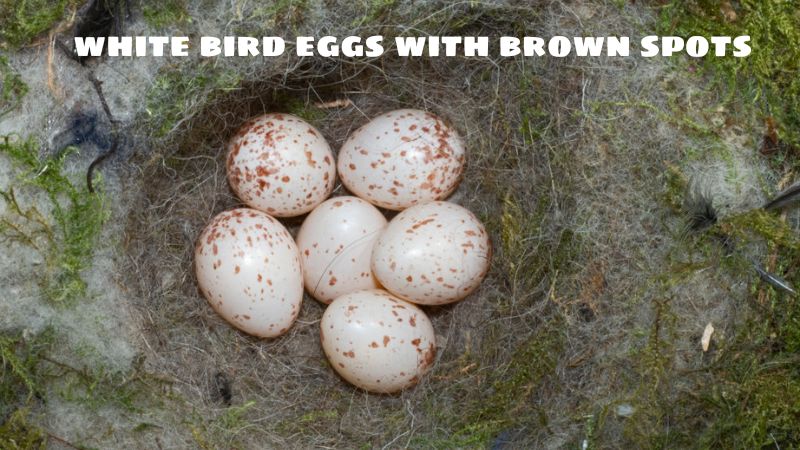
(61, 440)
(98, 87)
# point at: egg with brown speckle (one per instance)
(376, 341)
(335, 243)
(248, 268)
(402, 158)
(279, 164)
(432, 254)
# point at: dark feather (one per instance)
(772, 279)
(222, 389)
(700, 211)
(786, 198)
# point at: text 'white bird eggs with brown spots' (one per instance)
(248, 268)
(279, 164)
(402, 158)
(376, 341)
(335, 243)
(432, 254)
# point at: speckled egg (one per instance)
(248, 268)
(376, 341)
(335, 244)
(402, 158)
(432, 254)
(279, 164)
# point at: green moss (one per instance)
(746, 391)
(263, 19)
(12, 88)
(375, 12)
(177, 90)
(653, 398)
(221, 431)
(303, 110)
(321, 418)
(16, 433)
(166, 13)
(676, 185)
(761, 224)
(766, 78)
(98, 387)
(23, 20)
(505, 401)
(20, 359)
(33, 368)
(66, 234)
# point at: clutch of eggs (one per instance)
(402, 158)
(280, 164)
(370, 273)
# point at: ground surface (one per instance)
(590, 173)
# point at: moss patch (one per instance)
(19, 382)
(12, 88)
(178, 90)
(65, 235)
(768, 76)
(166, 13)
(23, 20)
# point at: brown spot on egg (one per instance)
(422, 223)
(409, 278)
(429, 356)
(263, 171)
(386, 340)
(268, 140)
(332, 281)
(349, 354)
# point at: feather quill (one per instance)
(789, 196)
(772, 279)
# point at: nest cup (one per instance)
(183, 184)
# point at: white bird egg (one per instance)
(402, 158)
(432, 254)
(377, 341)
(335, 243)
(248, 268)
(279, 164)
